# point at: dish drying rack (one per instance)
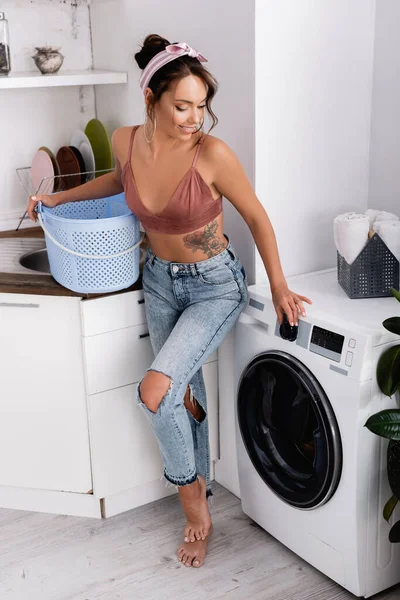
(55, 184)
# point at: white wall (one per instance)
(313, 103)
(32, 118)
(305, 130)
(224, 32)
(384, 190)
(295, 105)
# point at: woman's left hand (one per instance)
(286, 301)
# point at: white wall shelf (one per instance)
(64, 78)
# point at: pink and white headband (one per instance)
(170, 53)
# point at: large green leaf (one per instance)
(394, 534)
(389, 507)
(395, 293)
(385, 423)
(392, 324)
(388, 370)
(393, 466)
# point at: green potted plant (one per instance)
(386, 423)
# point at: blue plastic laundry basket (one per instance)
(92, 245)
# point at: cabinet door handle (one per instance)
(18, 305)
(141, 301)
(143, 335)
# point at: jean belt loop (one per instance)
(231, 252)
(193, 269)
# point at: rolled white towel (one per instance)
(378, 225)
(336, 230)
(352, 234)
(372, 214)
(385, 216)
(389, 232)
(336, 237)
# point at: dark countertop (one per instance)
(44, 285)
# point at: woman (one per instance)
(174, 177)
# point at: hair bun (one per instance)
(152, 45)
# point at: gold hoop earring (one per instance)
(144, 129)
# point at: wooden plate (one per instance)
(69, 166)
(82, 167)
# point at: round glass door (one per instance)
(289, 430)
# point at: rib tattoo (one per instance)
(205, 240)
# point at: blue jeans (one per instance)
(190, 307)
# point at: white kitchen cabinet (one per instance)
(117, 358)
(44, 438)
(109, 313)
(124, 449)
(69, 420)
(125, 452)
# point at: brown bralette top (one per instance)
(190, 207)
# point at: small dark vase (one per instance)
(48, 60)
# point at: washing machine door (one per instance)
(289, 429)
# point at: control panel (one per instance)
(326, 343)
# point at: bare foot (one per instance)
(193, 554)
(195, 507)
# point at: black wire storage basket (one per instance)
(372, 274)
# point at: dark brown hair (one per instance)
(173, 71)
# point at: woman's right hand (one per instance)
(49, 201)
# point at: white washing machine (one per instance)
(310, 473)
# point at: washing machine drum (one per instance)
(289, 429)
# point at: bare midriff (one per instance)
(195, 246)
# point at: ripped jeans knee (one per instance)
(162, 403)
(153, 389)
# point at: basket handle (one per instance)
(39, 213)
